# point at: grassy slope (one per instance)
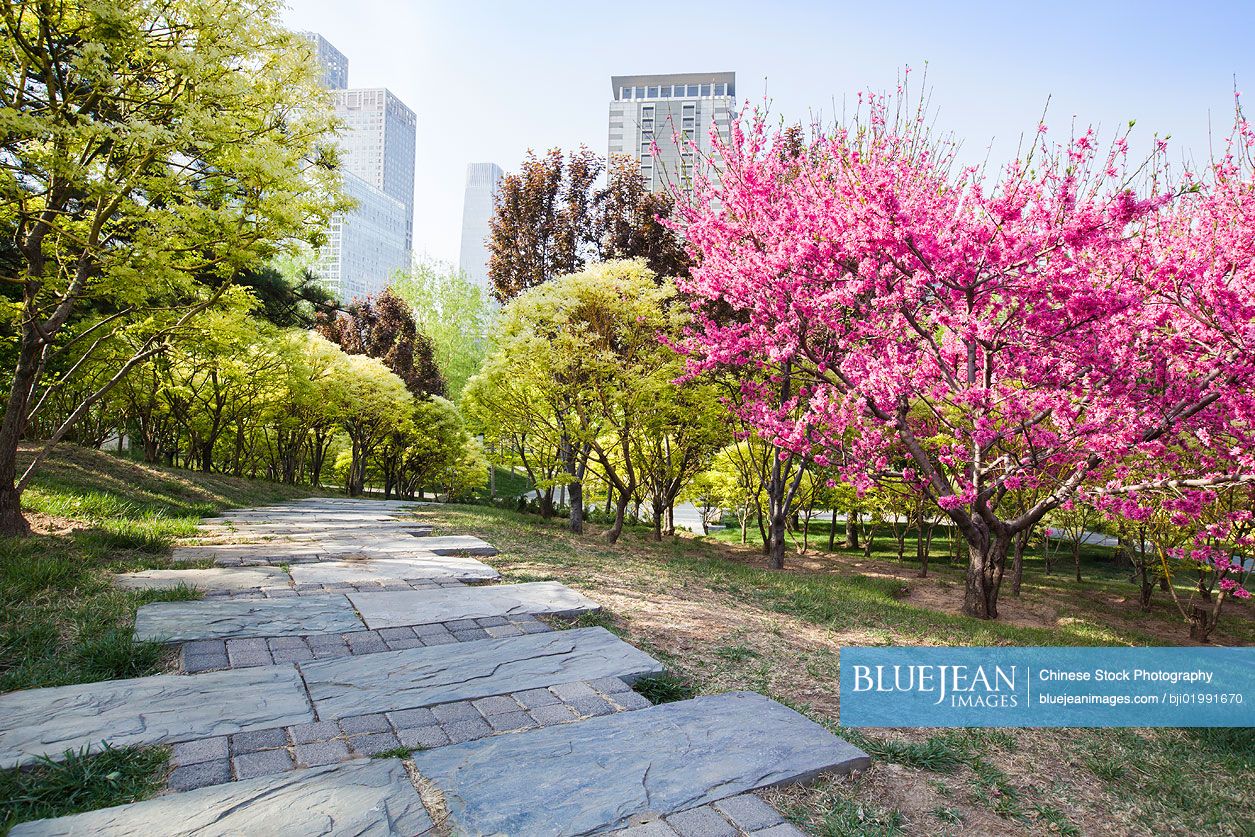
(98, 514)
(723, 621)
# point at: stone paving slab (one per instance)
(303, 614)
(319, 589)
(455, 544)
(599, 774)
(213, 579)
(732, 817)
(218, 618)
(369, 798)
(414, 566)
(395, 680)
(402, 608)
(234, 554)
(282, 551)
(147, 710)
(313, 528)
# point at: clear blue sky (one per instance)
(491, 79)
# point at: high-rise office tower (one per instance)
(364, 247)
(378, 144)
(655, 108)
(335, 67)
(482, 182)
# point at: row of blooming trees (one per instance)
(1075, 327)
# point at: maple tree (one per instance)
(383, 327)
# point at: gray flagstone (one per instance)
(367, 799)
(418, 607)
(148, 710)
(454, 544)
(596, 775)
(213, 579)
(395, 680)
(459, 567)
(227, 618)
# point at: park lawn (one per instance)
(1106, 589)
(97, 513)
(722, 621)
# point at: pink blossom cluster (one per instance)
(1077, 322)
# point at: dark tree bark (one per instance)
(851, 529)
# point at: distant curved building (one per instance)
(482, 182)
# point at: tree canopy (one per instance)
(148, 154)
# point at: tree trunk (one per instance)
(1076, 555)
(620, 513)
(12, 522)
(776, 532)
(1017, 564)
(851, 529)
(577, 508)
(832, 531)
(1202, 620)
(1147, 585)
(986, 563)
(656, 507)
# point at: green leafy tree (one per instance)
(454, 313)
(148, 154)
(374, 403)
(585, 348)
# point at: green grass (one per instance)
(62, 621)
(664, 688)
(80, 782)
(842, 817)
(869, 604)
(509, 483)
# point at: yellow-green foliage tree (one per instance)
(373, 402)
(599, 382)
(455, 314)
(148, 153)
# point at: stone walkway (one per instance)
(336, 636)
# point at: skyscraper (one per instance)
(377, 144)
(335, 67)
(654, 108)
(482, 182)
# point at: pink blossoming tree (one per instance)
(1031, 332)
